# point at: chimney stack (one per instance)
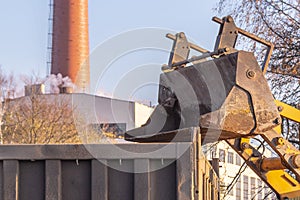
(70, 42)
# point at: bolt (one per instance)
(280, 108)
(229, 19)
(245, 145)
(280, 141)
(251, 74)
(227, 49)
(165, 67)
(181, 35)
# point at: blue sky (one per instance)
(24, 27)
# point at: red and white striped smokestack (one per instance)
(70, 41)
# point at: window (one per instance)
(253, 187)
(238, 189)
(246, 188)
(221, 155)
(273, 195)
(115, 130)
(266, 192)
(238, 160)
(260, 189)
(230, 157)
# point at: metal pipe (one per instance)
(296, 161)
(193, 46)
(203, 56)
(206, 55)
(268, 164)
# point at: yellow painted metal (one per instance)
(280, 180)
(283, 183)
(288, 111)
(247, 151)
(278, 129)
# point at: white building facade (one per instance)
(237, 180)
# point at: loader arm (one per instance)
(280, 173)
(225, 93)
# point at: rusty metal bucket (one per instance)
(227, 97)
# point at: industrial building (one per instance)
(85, 110)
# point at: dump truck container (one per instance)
(156, 171)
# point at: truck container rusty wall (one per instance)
(70, 41)
(126, 171)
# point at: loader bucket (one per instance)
(227, 97)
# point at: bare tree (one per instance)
(7, 86)
(44, 119)
(36, 119)
(7, 91)
(275, 20)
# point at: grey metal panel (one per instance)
(31, 180)
(130, 151)
(142, 180)
(1, 180)
(163, 181)
(120, 182)
(126, 171)
(185, 180)
(73, 152)
(10, 179)
(53, 180)
(76, 180)
(99, 180)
